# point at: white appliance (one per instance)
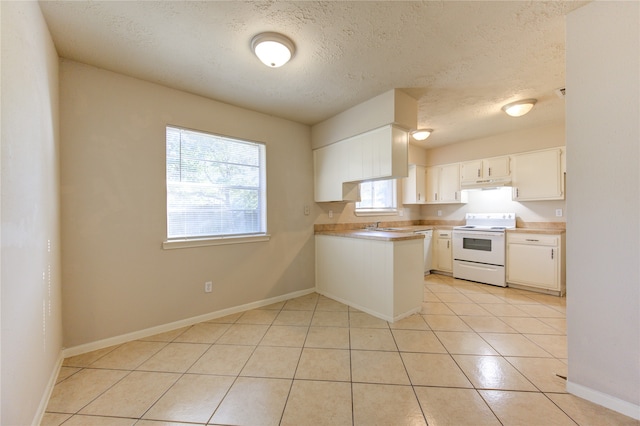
(479, 247)
(428, 235)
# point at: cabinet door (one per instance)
(330, 173)
(444, 261)
(328, 186)
(413, 186)
(496, 167)
(354, 150)
(450, 183)
(471, 171)
(538, 176)
(533, 265)
(432, 183)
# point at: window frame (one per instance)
(220, 239)
(388, 211)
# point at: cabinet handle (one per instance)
(456, 195)
(478, 172)
(531, 239)
(489, 171)
(552, 253)
(517, 192)
(435, 196)
(448, 243)
(418, 196)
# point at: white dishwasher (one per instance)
(428, 234)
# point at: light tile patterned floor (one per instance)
(476, 355)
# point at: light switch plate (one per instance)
(558, 212)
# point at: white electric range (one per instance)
(479, 247)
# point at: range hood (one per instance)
(486, 183)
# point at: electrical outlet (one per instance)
(439, 212)
(307, 210)
(558, 212)
(208, 287)
(330, 214)
(400, 212)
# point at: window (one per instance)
(216, 186)
(378, 197)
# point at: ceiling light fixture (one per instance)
(519, 108)
(273, 49)
(421, 134)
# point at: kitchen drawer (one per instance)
(533, 239)
(439, 233)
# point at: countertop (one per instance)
(366, 234)
(407, 232)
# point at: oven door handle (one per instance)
(473, 234)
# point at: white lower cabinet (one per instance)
(443, 255)
(382, 278)
(536, 262)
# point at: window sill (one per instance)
(215, 241)
(377, 213)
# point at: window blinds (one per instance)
(215, 185)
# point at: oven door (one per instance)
(479, 246)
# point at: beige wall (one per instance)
(117, 278)
(500, 144)
(603, 134)
(30, 278)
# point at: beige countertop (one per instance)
(374, 235)
(406, 230)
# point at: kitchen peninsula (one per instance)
(376, 271)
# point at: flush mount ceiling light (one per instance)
(421, 134)
(273, 49)
(519, 108)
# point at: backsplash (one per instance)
(430, 222)
(497, 201)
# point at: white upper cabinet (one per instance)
(471, 171)
(330, 173)
(414, 185)
(378, 154)
(432, 184)
(443, 185)
(538, 175)
(487, 170)
(450, 184)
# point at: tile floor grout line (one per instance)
(236, 376)
(182, 374)
(443, 286)
(295, 371)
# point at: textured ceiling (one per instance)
(461, 60)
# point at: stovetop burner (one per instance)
(488, 222)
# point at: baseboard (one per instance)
(42, 407)
(117, 340)
(370, 311)
(608, 401)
